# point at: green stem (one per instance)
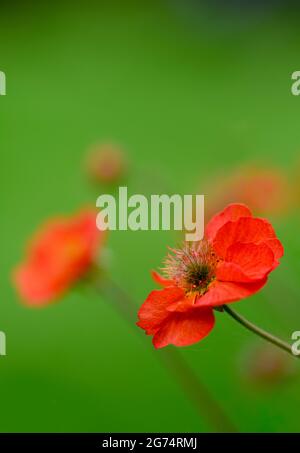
(258, 331)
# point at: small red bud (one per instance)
(106, 163)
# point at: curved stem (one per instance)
(258, 331)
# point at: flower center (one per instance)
(192, 267)
(197, 275)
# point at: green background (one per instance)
(187, 94)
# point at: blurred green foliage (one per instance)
(185, 97)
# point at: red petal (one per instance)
(231, 272)
(154, 310)
(183, 329)
(222, 293)
(161, 280)
(231, 213)
(246, 262)
(246, 229)
(183, 304)
(276, 247)
(35, 287)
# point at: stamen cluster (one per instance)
(192, 267)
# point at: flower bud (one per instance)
(106, 164)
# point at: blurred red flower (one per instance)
(232, 262)
(265, 365)
(58, 255)
(265, 190)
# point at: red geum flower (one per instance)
(58, 255)
(231, 262)
(265, 190)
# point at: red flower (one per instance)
(59, 254)
(232, 262)
(265, 190)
